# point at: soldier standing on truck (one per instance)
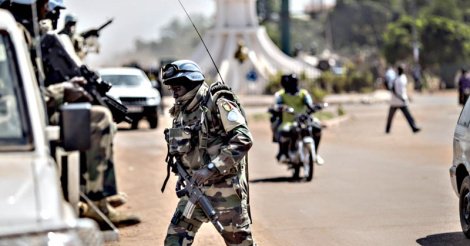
(70, 29)
(99, 171)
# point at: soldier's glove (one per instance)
(203, 174)
(74, 92)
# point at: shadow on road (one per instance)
(276, 180)
(450, 238)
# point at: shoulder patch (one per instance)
(227, 106)
(233, 115)
(230, 115)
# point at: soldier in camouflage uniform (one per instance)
(98, 169)
(215, 153)
(70, 29)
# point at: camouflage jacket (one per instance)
(53, 95)
(213, 131)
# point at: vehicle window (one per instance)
(124, 80)
(464, 119)
(13, 127)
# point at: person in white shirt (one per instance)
(400, 101)
(390, 76)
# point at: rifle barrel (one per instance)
(105, 24)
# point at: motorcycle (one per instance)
(301, 154)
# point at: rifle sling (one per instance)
(169, 160)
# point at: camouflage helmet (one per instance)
(53, 4)
(70, 18)
(181, 72)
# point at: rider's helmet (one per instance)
(182, 72)
(290, 83)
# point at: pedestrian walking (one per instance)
(400, 101)
(464, 86)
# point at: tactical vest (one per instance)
(297, 102)
(196, 137)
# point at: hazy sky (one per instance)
(134, 19)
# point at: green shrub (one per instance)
(341, 110)
(318, 94)
(324, 115)
(274, 84)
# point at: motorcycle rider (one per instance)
(291, 96)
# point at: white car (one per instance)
(459, 171)
(132, 87)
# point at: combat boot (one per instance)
(116, 217)
(117, 200)
(120, 218)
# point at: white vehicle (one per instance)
(459, 171)
(132, 87)
(32, 207)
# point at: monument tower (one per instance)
(236, 25)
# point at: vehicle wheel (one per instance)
(464, 206)
(153, 121)
(134, 124)
(296, 172)
(310, 170)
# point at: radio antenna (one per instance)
(202, 40)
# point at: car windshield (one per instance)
(124, 80)
(13, 127)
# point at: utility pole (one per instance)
(285, 27)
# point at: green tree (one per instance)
(267, 10)
(444, 8)
(358, 24)
(398, 40)
(444, 41)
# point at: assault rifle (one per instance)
(188, 187)
(95, 31)
(98, 88)
(59, 67)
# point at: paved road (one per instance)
(375, 189)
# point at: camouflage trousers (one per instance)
(98, 178)
(230, 201)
